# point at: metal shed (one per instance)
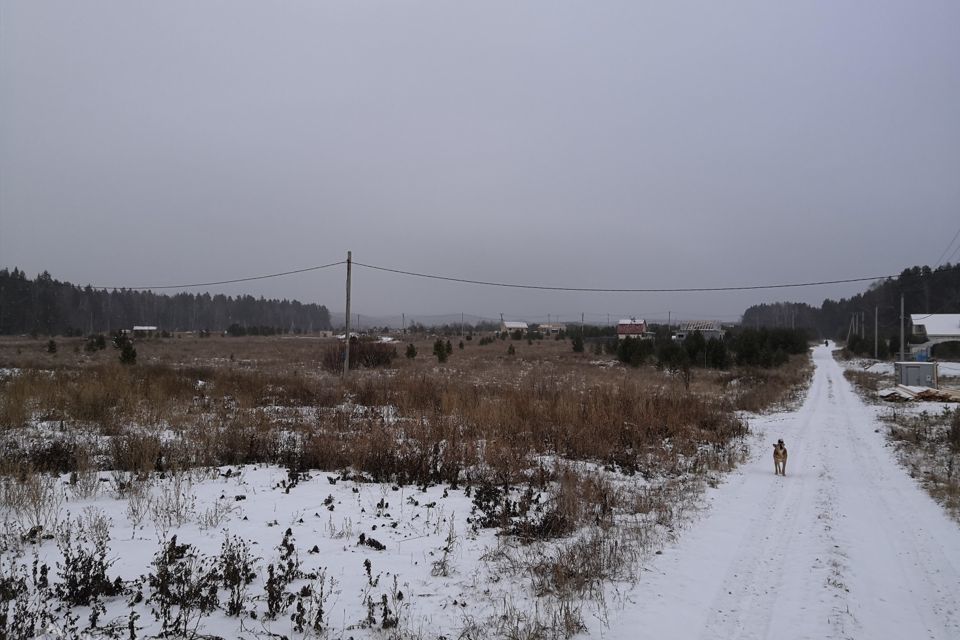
(917, 374)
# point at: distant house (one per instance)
(142, 331)
(631, 328)
(709, 329)
(552, 328)
(934, 329)
(509, 326)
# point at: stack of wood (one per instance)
(905, 393)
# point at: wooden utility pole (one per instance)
(876, 344)
(902, 338)
(346, 351)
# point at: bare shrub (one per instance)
(578, 567)
(216, 514)
(84, 480)
(863, 380)
(363, 353)
(441, 566)
(313, 606)
(83, 570)
(760, 389)
(281, 575)
(138, 453)
(236, 570)
(345, 530)
(95, 522)
(184, 587)
(11, 536)
(173, 504)
(85, 485)
(244, 438)
(953, 434)
(53, 455)
(139, 500)
(37, 500)
(15, 400)
(555, 620)
(25, 597)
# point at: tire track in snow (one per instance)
(796, 550)
(904, 564)
(746, 603)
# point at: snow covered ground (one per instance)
(845, 546)
(380, 552)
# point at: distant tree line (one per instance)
(925, 290)
(45, 306)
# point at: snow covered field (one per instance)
(847, 545)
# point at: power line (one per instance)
(605, 290)
(250, 279)
(942, 255)
(515, 285)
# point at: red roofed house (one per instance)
(631, 328)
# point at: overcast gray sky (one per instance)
(608, 144)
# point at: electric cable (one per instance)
(949, 246)
(618, 290)
(250, 279)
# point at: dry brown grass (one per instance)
(866, 382)
(757, 390)
(481, 408)
(928, 445)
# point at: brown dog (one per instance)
(779, 458)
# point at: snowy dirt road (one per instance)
(845, 546)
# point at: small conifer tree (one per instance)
(440, 350)
(578, 344)
(128, 355)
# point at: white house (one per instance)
(509, 326)
(144, 330)
(552, 328)
(937, 328)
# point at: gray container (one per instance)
(917, 374)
